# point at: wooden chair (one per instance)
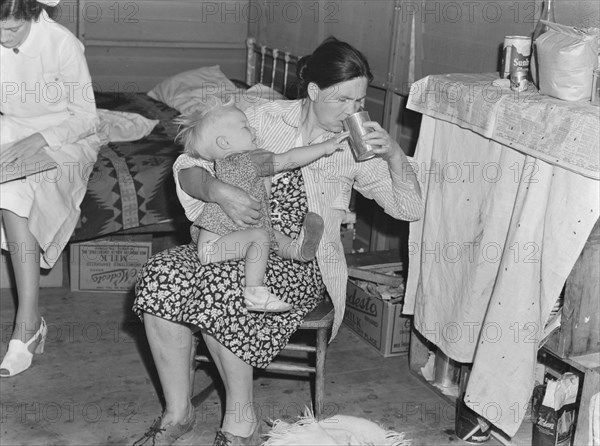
(320, 321)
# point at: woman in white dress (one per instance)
(47, 106)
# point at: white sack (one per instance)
(567, 59)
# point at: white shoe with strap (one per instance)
(19, 358)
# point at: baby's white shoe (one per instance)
(259, 299)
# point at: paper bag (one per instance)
(566, 59)
(553, 411)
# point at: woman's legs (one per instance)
(25, 259)
(172, 349)
(240, 417)
(171, 345)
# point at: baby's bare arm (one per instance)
(301, 156)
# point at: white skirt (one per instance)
(49, 200)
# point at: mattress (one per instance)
(131, 184)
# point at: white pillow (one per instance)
(256, 95)
(189, 91)
(123, 126)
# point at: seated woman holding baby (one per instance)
(221, 136)
(204, 286)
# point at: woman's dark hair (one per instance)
(332, 62)
(21, 9)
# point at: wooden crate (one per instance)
(378, 273)
(579, 333)
(378, 322)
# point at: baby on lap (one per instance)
(221, 134)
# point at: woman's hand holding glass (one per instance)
(383, 144)
(21, 150)
(388, 149)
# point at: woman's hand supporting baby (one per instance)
(235, 202)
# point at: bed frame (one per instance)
(270, 66)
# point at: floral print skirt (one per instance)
(174, 285)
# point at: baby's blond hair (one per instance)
(193, 126)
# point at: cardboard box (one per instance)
(380, 323)
(49, 278)
(107, 265)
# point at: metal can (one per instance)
(516, 56)
(518, 81)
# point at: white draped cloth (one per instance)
(501, 232)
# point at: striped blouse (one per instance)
(328, 183)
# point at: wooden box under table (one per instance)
(579, 332)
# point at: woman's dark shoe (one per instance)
(167, 434)
(226, 439)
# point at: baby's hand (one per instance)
(335, 143)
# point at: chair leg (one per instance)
(193, 364)
(320, 371)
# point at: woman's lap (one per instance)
(18, 196)
(174, 285)
(50, 200)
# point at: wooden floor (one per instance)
(96, 384)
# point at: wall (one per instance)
(405, 40)
(447, 35)
(299, 26)
(581, 13)
(133, 45)
(467, 36)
